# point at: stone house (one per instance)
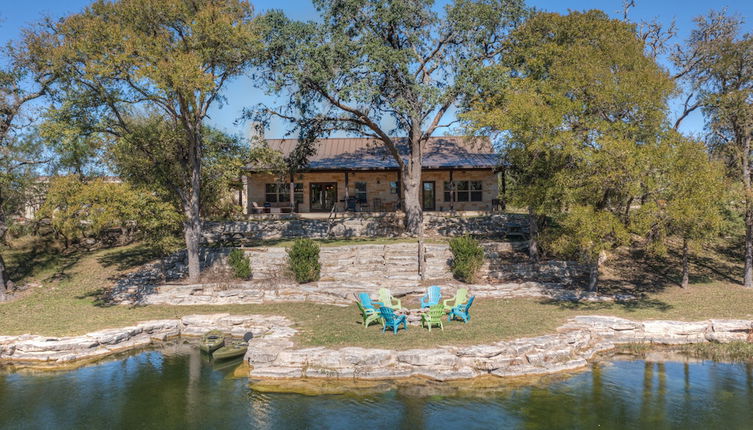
(358, 174)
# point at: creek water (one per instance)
(178, 388)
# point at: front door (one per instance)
(428, 196)
(323, 196)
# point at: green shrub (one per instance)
(467, 258)
(240, 264)
(303, 258)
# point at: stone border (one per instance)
(575, 343)
(64, 351)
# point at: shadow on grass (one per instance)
(40, 255)
(129, 258)
(100, 297)
(641, 303)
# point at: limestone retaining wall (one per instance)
(575, 343)
(62, 350)
(236, 233)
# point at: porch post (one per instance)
(292, 193)
(244, 204)
(346, 189)
(452, 193)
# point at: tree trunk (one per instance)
(685, 269)
(748, 271)
(593, 277)
(533, 232)
(192, 209)
(410, 177)
(4, 281)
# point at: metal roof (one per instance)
(441, 152)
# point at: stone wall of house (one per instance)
(378, 187)
(237, 233)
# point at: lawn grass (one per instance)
(65, 303)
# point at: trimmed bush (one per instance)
(240, 263)
(303, 259)
(467, 258)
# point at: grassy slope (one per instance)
(65, 304)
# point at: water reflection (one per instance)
(178, 387)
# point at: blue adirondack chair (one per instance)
(461, 311)
(390, 320)
(432, 297)
(366, 301)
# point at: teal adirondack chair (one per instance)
(385, 297)
(391, 320)
(461, 311)
(369, 315)
(432, 297)
(433, 317)
(366, 301)
(460, 298)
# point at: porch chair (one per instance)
(369, 315)
(461, 296)
(391, 320)
(461, 311)
(377, 205)
(432, 297)
(433, 317)
(366, 301)
(385, 297)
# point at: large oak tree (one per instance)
(171, 58)
(381, 69)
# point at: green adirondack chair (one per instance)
(460, 298)
(369, 315)
(433, 317)
(385, 296)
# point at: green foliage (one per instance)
(685, 194)
(146, 157)
(240, 263)
(576, 101)
(78, 210)
(467, 258)
(303, 260)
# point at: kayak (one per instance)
(212, 341)
(234, 349)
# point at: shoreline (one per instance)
(273, 356)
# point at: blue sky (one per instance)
(14, 15)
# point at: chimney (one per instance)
(255, 133)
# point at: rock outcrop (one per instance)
(570, 348)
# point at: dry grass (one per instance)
(66, 303)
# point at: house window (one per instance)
(361, 192)
(465, 191)
(395, 187)
(280, 192)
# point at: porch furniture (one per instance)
(385, 297)
(391, 320)
(362, 206)
(461, 311)
(461, 296)
(389, 206)
(366, 301)
(432, 297)
(496, 205)
(376, 205)
(256, 209)
(369, 315)
(350, 204)
(433, 317)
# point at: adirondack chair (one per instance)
(461, 311)
(432, 297)
(391, 320)
(366, 301)
(369, 315)
(433, 317)
(460, 297)
(386, 298)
